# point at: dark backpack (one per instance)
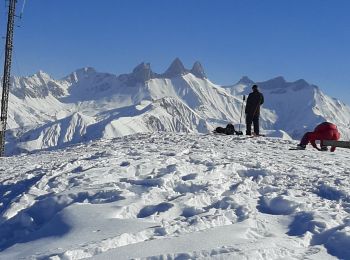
(229, 130)
(220, 130)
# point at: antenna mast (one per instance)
(7, 74)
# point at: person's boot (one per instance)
(324, 148)
(301, 147)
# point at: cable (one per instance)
(22, 10)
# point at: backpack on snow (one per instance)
(229, 130)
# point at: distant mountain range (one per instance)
(45, 113)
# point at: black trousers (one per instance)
(252, 119)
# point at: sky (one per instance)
(261, 39)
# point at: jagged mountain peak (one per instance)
(281, 83)
(300, 84)
(85, 71)
(80, 74)
(142, 66)
(176, 69)
(301, 81)
(278, 79)
(275, 83)
(37, 78)
(198, 70)
(142, 72)
(39, 85)
(42, 75)
(245, 80)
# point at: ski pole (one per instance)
(240, 119)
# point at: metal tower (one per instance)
(7, 72)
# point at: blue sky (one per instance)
(262, 39)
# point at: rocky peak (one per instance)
(42, 75)
(275, 83)
(198, 70)
(176, 69)
(142, 72)
(80, 74)
(278, 80)
(300, 84)
(245, 81)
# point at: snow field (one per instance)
(176, 196)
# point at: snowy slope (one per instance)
(39, 104)
(34, 100)
(66, 131)
(176, 196)
(166, 114)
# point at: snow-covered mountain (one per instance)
(46, 113)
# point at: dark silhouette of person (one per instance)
(323, 131)
(252, 110)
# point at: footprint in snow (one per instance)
(227, 203)
(190, 176)
(303, 222)
(331, 193)
(191, 211)
(152, 209)
(151, 182)
(124, 164)
(255, 174)
(164, 171)
(190, 188)
(278, 205)
(169, 154)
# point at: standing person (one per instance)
(252, 110)
(324, 131)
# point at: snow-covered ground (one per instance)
(176, 196)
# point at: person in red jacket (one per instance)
(324, 131)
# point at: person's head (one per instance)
(255, 87)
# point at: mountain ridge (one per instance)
(39, 100)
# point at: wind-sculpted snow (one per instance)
(176, 196)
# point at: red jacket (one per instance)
(324, 131)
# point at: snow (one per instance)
(125, 167)
(166, 195)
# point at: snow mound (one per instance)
(175, 196)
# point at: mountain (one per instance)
(35, 100)
(69, 130)
(44, 112)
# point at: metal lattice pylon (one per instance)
(7, 74)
